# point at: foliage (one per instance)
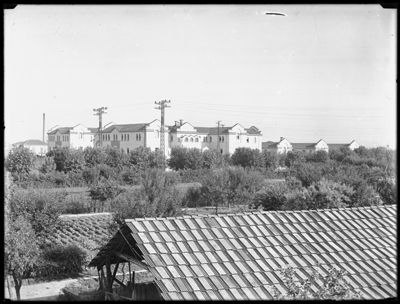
(247, 157)
(49, 165)
(91, 175)
(333, 286)
(40, 207)
(324, 194)
(67, 159)
(213, 159)
(115, 158)
(59, 259)
(320, 156)
(294, 158)
(308, 173)
(271, 159)
(231, 185)
(94, 156)
(20, 160)
(271, 197)
(155, 198)
(105, 191)
(185, 158)
(143, 158)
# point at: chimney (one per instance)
(281, 138)
(180, 122)
(176, 123)
(43, 128)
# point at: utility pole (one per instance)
(218, 145)
(162, 106)
(100, 112)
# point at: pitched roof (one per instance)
(63, 130)
(237, 256)
(33, 142)
(93, 130)
(337, 146)
(125, 127)
(303, 145)
(269, 144)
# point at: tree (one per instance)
(185, 158)
(247, 157)
(67, 159)
(294, 158)
(115, 158)
(94, 156)
(333, 286)
(270, 198)
(271, 159)
(49, 165)
(20, 160)
(105, 191)
(21, 249)
(324, 194)
(320, 156)
(213, 159)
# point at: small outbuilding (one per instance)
(238, 256)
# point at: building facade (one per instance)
(353, 145)
(225, 139)
(72, 137)
(131, 136)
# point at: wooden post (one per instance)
(104, 279)
(108, 273)
(114, 273)
(100, 279)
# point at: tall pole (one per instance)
(162, 106)
(43, 128)
(100, 112)
(218, 122)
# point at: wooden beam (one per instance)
(115, 271)
(108, 272)
(128, 258)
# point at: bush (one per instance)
(91, 175)
(270, 198)
(67, 159)
(294, 158)
(76, 204)
(58, 259)
(271, 159)
(49, 165)
(193, 176)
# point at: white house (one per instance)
(227, 139)
(282, 146)
(353, 145)
(73, 137)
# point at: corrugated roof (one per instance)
(237, 256)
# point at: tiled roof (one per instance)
(62, 130)
(237, 256)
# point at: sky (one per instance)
(319, 72)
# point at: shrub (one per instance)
(76, 204)
(60, 259)
(94, 156)
(294, 158)
(91, 175)
(48, 166)
(115, 158)
(67, 159)
(271, 159)
(320, 156)
(213, 159)
(185, 158)
(271, 197)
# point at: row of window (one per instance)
(209, 139)
(123, 137)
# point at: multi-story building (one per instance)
(282, 146)
(226, 139)
(37, 146)
(72, 137)
(130, 136)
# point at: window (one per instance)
(191, 139)
(219, 138)
(255, 139)
(248, 139)
(172, 138)
(127, 150)
(128, 137)
(237, 136)
(222, 151)
(138, 137)
(157, 134)
(223, 138)
(103, 137)
(210, 139)
(196, 140)
(80, 135)
(186, 140)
